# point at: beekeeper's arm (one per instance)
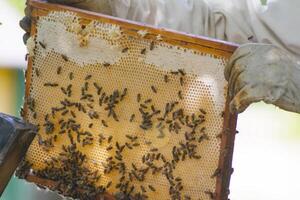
(255, 72)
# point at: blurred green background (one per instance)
(267, 149)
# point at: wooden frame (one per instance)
(208, 45)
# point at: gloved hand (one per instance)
(101, 6)
(15, 137)
(262, 72)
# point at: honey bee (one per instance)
(143, 51)
(42, 45)
(65, 57)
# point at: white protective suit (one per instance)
(238, 21)
(255, 72)
(269, 71)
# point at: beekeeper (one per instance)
(266, 67)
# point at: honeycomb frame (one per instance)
(210, 46)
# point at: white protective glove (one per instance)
(263, 72)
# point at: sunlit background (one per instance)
(267, 148)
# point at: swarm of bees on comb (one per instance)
(89, 99)
(68, 169)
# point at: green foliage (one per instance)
(18, 4)
(263, 2)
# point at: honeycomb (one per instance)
(145, 113)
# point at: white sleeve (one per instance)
(277, 22)
(238, 21)
(200, 17)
